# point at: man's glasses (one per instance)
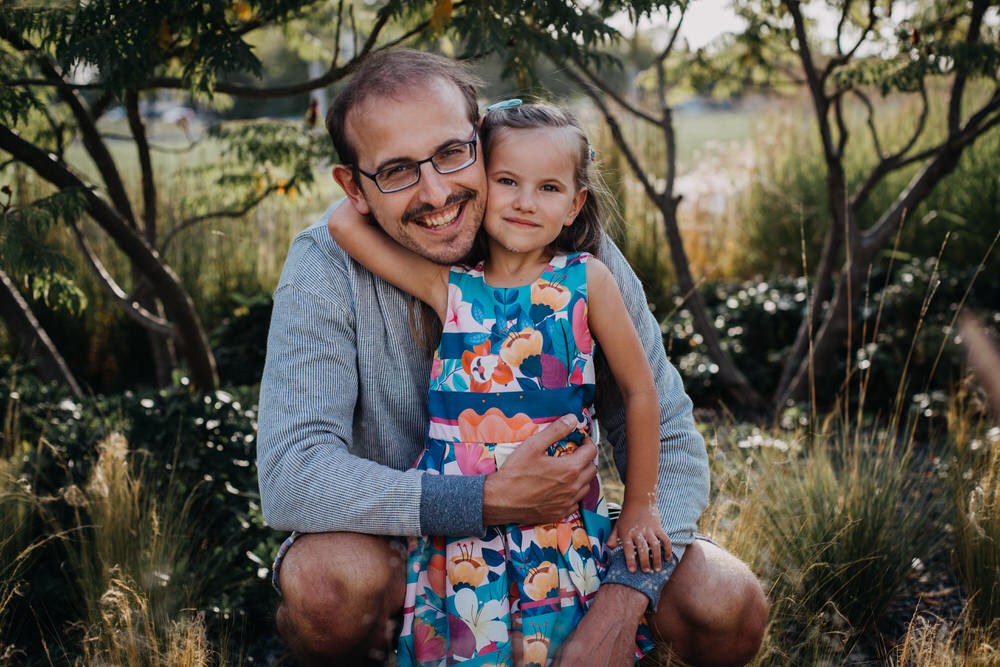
(407, 174)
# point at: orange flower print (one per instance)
(541, 580)
(435, 574)
(484, 368)
(547, 534)
(521, 345)
(466, 569)
(536, 649)
(494, 426)
(550, 294)
(427, 643)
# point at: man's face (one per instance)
(439, 216)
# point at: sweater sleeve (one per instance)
(683, 483)
(310, 480)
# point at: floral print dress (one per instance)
(510, 361)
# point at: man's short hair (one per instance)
(392, 74)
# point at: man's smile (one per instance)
(436, 219)
(441, 218)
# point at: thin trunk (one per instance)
(161, 347)
(31, 338)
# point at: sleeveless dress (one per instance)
(510, 361)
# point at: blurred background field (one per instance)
(130, 524)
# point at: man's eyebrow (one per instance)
(402, 160)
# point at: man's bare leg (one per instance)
(713, 610)
(340, 592)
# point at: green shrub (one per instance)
(757, 322)
(198, 449)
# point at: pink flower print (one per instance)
(581, 331)
(473, 459)
(459, 316)
(428, 644)
(437, 367)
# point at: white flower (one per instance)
(482, 621)
(584, 575)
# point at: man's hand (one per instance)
(605, 637)
(533, 487)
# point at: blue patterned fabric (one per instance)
(510, 361)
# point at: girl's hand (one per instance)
(639, 531)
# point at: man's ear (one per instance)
(344, 176)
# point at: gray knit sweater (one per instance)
(343, 413)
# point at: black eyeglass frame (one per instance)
(418, 163)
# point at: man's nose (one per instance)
(434, 189)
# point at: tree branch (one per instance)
(871, 122)
(132, 308)
(88, 130)
(214, 215)
(145, 165)
(605, 88)
(616, 133)
(961, 76)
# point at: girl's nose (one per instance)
(524, 202)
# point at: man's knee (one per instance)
(338, 591)
(713, 610)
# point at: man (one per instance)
(343, 414)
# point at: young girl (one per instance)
(516, 353)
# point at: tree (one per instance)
(667, 71)
(942, 45)
(65, 65)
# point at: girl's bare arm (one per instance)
(367, 243)
(639, 524)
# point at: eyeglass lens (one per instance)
(446, 161)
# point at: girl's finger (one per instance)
(642, 546)
(629, 555)
(613, 538)
(656, 548)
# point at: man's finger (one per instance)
(551, 434)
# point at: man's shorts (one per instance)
(400, 543)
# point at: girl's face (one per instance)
(532, 192)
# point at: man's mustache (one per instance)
(424, 209)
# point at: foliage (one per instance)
(757, 321)
(24, 248)
(191, 461)
(240, 340)
(787, 202)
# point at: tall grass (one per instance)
(975, 495)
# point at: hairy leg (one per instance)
(713, 610)
(340, 592)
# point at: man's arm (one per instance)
(682, 487)
(311, 410)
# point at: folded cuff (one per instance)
(648, 583)
(451, 504)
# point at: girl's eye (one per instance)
(548, 187)
(503, 180)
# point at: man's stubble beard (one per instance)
(461, 245)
